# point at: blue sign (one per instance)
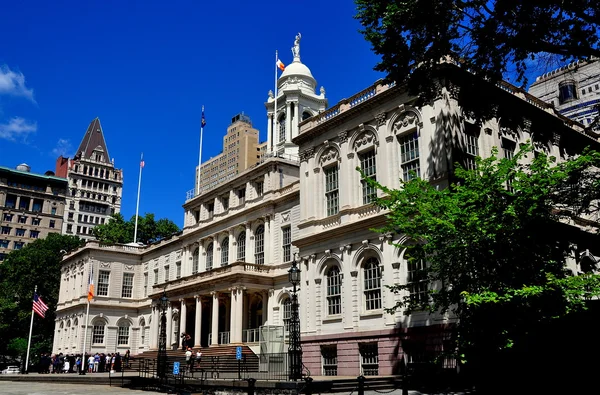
(238, 353)
(175, 367)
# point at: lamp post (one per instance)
(295, 349)
(161, 364)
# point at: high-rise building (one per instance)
(31, 206)
(574, 90)
(240, 152)
(95, 185)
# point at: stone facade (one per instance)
(226, 273)
(31, 207)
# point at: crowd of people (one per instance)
(71, 363)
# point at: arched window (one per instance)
(98, 329)
(142, 332)
(123, 333)
(334, 291)
(281, 122)
(209, 256)
(195, 259)
(241, 246)
(61, 334)
(372, 286)
(75, 331)
(259, 245)
(287, 314)
(225, 251)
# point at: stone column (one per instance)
(288, 122)
(269, 131)
(239, 313)
(183, 317)
(215, 319)
(233, 318)
(197, 330)
(265, 306)
(268, 244)
(249, 245)
(169, 325)
(232, 247)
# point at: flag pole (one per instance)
(87, 316)
(274, 128)
(29, 341)
(200, 154)
(137, 206)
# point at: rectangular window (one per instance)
(471, 149)
(369, 359)
(409, 156)
(372, 288)
(508, 148)
(259, 186)
(98, 334)
(167, 273)
(287, 243)
(18, 245)
(123, 336)
(329, 358)
(20, 232)
(417, 281)
(127, 290)
(145, 284)
(367, 165)
(35, 221)
(34, 234)
(5, 230)
(331, 190)
(52, 224)
(177, 269)
(69, 228)
(22, 219)
(210, 207)
(225, 202)
(103, 278)
(334, 291)
(37, 205)
(11, 201)
(4, 243)
(7, 217)
(24, 203)
(241, 196)
(155, 276)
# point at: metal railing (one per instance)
(250, 335)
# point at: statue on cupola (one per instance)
(296, 47)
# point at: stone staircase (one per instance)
(221, 359)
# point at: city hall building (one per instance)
(226, 273)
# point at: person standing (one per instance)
(198, 358)
(188, 359)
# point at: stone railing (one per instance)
(345, 105)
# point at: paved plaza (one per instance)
(44, 388)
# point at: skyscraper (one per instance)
(95, 185)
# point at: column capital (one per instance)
(214, 293)
(197, 297)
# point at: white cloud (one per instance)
(13, 83)
(63, 147)
(17, 128)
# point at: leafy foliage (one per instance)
(486, 37)
(117, 230)
(37, 263)
(497, 244)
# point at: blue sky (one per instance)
(145, 68)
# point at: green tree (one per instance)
(496, 246)
(37, 263)
(117, 230)
(489, 38)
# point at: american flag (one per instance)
(39, 306)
